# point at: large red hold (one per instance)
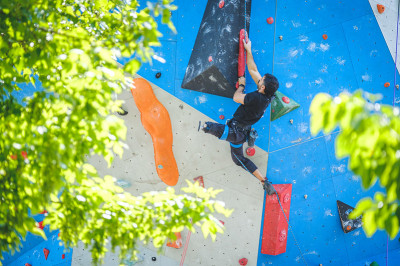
(275, 228)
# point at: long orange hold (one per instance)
(156, 121)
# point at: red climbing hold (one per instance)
(46, 253)
(43, 212)
(285, 99)
(387, 84)
(24, 154)
(200, 180)
(243, 261)
(41, 226)
(27, 264)
(270, 20)
(222, 117)
(381, 8)
(324, 36)
(222, 222)
(241, 58)
(250, 151)
(275, 228)
(63, 256)
(221, 4)
(13, 156)
(210, 58)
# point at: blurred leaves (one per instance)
(370, 136)
(69, 48)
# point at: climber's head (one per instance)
(268, 85)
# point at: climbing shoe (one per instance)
(267, 185)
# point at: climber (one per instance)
(252, 108)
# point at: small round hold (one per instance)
(324, 36)
(160, 166)
(210, 58)
(381, 8)
(387, 84)
(221, 4)
(285, 99)
(222, 117)
(63, 256)
(153, 258)
(250, 151)
(273, 110)
(397, 86)
(158, 75)
(305, 196)
(270, 20)
(281, 37)
(291, 121)
(243, 261)
(348, 228)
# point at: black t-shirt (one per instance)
(253, 109)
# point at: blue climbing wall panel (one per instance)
(354, 56)
(32, 253)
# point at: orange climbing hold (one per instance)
(324, 36)
(155, 119)
(177, 243)
(221, 4)
(381, 8)
(387, 84)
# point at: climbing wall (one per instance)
(331, 47)
(312, 47)
(37, 251)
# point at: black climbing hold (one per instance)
(158, 75)
(348, 225)
(123, 111)
(153, 258)
(218, 37)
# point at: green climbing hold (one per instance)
(282, 105)
(374, 263)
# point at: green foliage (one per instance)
(68, 46)
(370, 137)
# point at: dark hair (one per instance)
(271, 84)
